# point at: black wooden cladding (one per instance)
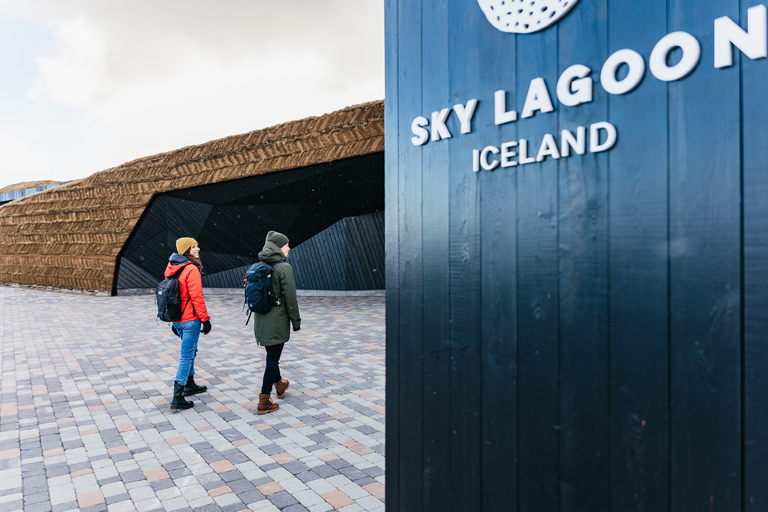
(348, 256)
(582, 334)
(231, 219)
(345, 257)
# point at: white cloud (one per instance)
(147, 76)
(18, 162)
(73, 77)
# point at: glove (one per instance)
(206, 327)
(297, 326)
(173, 328)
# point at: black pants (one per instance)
(272, 371)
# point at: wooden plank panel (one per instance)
(465, 353)
(755, 276)
(537, 195)
(705, 273)
(435, 387)
(584, 447)
(409, 264)
(487, 364)
(392, 238)
(639, 348)
(365, 242)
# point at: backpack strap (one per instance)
(176, 275)
(277, 298)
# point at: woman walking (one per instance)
(186, 263)
(273, 329)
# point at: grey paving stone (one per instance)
(10, 506)
(117, 498)
(39, 506)
(132, 476)
(295, 508)
(325, 471)
(366, 430)
(282, 499)
(249, 497)
(271, 449)
(179, 473)
(364, 481)
(231, 476)
(174, 464)
(78, 466)
(352, 473)
(211, 483)
(307, 476)
(235, 507)
(241, 485)
(338, 464)
(33, 470)
(261, 481)
(295, 467)
(62, 507)
(269, 467)
(211, 507)
(122, 456)
(95, 508)
(235, 456)
(141, 419)
(9, 444)
(211, 456)
(162, 484)
(109, 480)
(319, 438)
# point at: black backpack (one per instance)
(258, 288)
(168, 296)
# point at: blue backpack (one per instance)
(258, 288)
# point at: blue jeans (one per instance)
(189, 332)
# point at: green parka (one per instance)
(274, 328)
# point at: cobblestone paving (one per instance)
(85, 422)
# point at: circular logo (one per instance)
(524, 16)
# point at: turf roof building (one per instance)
(320, 180)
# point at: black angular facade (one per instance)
(332, 213)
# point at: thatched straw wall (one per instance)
(70, 236)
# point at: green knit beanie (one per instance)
(276, 238)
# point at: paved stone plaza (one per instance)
(85, 421)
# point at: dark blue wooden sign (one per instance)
(577, 255)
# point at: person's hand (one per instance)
(297, 326)
(206, 327)
(173, 328)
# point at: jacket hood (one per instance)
(175, 262)
(271, 253)
(177, 259)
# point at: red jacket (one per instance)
(191, 290)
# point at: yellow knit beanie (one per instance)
(183, 244)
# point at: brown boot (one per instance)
(265, 405)
(281, 386)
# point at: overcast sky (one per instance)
(86, 85)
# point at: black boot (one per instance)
(191, 388)
(178, 401)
